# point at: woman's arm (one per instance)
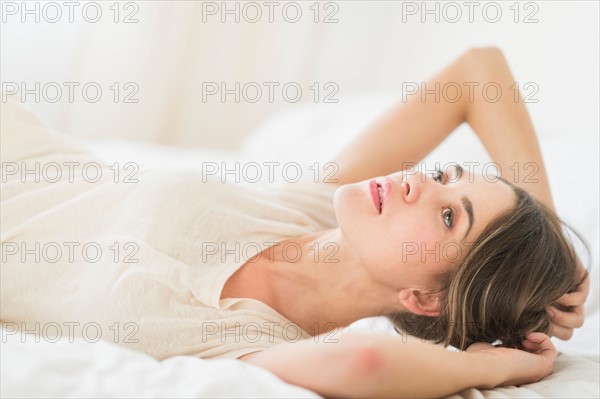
(412, 129)
(409, 131)
(383, 366)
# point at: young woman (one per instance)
(198, 267)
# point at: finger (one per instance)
(585, 283)
(581, 292)
(546, 347)
(531, 347)
(581, 271)
(574, 318)
(560, 332)
(578, 296)
(574, 298)
(535, 336)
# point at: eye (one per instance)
(438, 176)
(448, 216)
(447, 213)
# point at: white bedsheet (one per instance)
(103, 369)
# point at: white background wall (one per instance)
(374, 47)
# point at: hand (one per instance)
(564, 321)
(532, 363)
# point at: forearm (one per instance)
(410, 130)
(407, 132)
(502, 123)
(376, 365)
(420, 370)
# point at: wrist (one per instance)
(487, 370)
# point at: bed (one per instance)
(48, 367)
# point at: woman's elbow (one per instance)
(364, 367)
(366, 360)
(485, 60)
(480, 53)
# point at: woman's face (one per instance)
(423, 228)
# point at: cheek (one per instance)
(453, 253)
(411, 229)
(397, 249)
(402, 246)
(408, 241)
(420, 248)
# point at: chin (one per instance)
(351, 205)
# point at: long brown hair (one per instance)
(520, 264)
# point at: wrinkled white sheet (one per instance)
(103, 369)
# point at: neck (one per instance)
(326, 287)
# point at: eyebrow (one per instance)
(466, 203)
(468, 206)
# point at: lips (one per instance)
(375, 195)
(381, 189)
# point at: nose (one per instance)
(409, 188)
(412, 186)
